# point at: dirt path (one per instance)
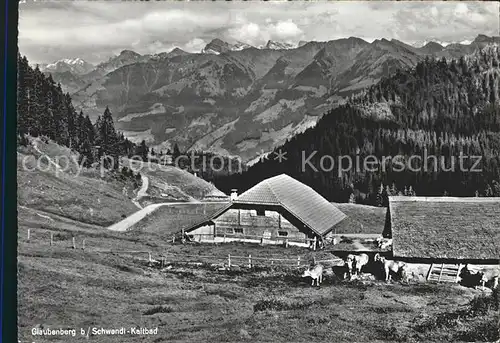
(142, 191)
(126, 223)
(123, 225)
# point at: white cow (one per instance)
(316, 273)
(490, 275)
(390, 266)
(355, 263)
(384, 243)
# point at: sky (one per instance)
(96, 30)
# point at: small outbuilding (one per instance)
(444, 232)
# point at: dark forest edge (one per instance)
(440, 108)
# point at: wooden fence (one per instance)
(55, 237)
(169, 258)
(226, 261)
(314, 243)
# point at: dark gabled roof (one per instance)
(299, 200)
(445, 227)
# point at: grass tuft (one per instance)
(479, 321)
(278, 304)
(158, 309)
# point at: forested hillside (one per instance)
(439, 108)
(44, 110)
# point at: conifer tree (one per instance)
(380, 195)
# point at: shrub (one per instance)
(62, 236)
(392, 333)
(487, 331)
(481, 305)
(445, 319)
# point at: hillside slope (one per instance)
(50, 179)
(170, 184)
(84, 197)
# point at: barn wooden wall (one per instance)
(255, 225)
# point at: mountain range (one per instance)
(235, 99)
(424, 117)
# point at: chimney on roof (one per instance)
(234, 194)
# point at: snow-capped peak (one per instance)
(278, 45)
(240, 46)
(210, 51)
(74, 61)
(73, 65)
(217, 46)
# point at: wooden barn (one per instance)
(443, 234)
(277, 210)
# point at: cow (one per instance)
(482, 275)
(469, 278)
(316, 273)
(384, 243)
(489, 275)
(355, 263)
(391, 266)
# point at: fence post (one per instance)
(73, 242)
(149, 257)
(83, 244)
(249, 261)
(29, 234)
(298, 261)
(229, 260)
(51, 238)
